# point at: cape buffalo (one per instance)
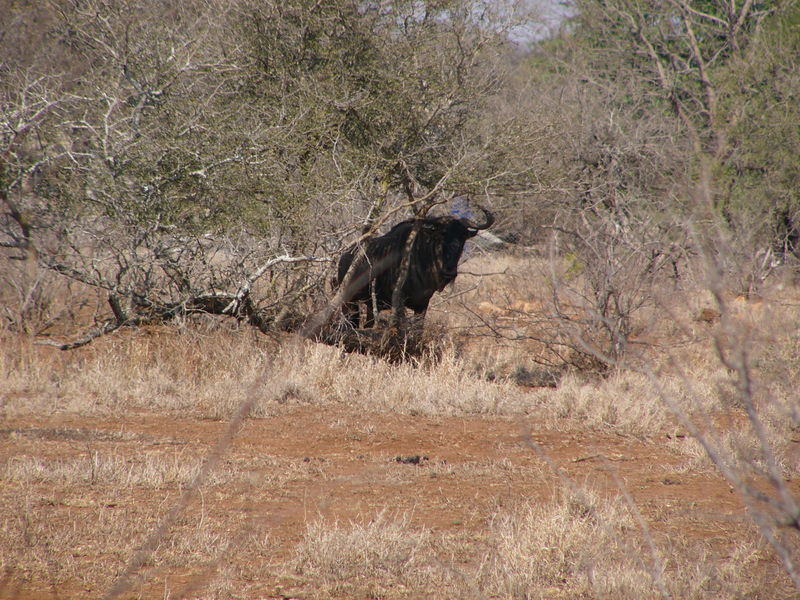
(433, 263)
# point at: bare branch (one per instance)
(244, 291)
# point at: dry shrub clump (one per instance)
(577, 545)
(742, 451)
(582, 546)
(574, 545)
(373, 559)
(625, 402)
(326, 375)
(199, 373)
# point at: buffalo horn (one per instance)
(472, 225)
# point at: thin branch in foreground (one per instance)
(744, 491)
(124, 582)
(658, 569)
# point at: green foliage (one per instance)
(204, 118)
(728, 79)
(762, 174)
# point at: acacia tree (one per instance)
(198, 156)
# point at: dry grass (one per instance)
(90, 545)
(574, 545)
(577, 545)
(206, 378)
(154, 369)
(448, 389)
(625, 403)
(380, 558)
(580, 545)
(97, 469)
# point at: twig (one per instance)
(124, 582)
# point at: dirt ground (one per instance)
(449, 474)
(100, 449)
